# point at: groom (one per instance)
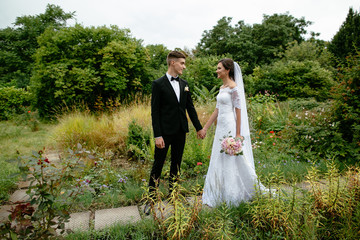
(170, 100)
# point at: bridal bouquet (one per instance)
(232, 146)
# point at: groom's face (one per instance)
(179, 65)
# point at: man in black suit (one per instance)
(170, 100)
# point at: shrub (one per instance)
(51, 190)
(293, 79)
(346, 108)
(78, 64)
(12, 100)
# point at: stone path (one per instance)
(83, 221)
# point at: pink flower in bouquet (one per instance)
(232, 146)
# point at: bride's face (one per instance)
(221, 71)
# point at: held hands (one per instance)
(201, 133)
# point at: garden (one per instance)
(89, 102)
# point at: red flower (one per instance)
(46, 160)
(271, 131)
(29, 111)
(199, 163)
(274, 144)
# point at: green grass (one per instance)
(17, 140)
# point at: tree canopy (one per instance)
(83, 65)
(346, 41)
(18, 44)
(252, 45)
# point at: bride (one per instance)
(230, 179)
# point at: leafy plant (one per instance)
(51, 191)
(12, 101)
(204, 96)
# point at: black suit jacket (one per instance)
(168, 115)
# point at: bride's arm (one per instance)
(238, 122)
(211, 119)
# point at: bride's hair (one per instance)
(228, 64)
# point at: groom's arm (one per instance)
(192, 113)
(155, 109)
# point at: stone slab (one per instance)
(108, 217)
(79, 221)
(4, 212)
(22, 185)
(19, 196)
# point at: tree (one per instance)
(79, 65)
(252, 45)
(347, 40)
(18, 44)
(157, 60)
(275, 32)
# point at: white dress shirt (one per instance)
(175, 85)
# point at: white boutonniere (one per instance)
(186, 89)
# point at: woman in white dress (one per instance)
(230, 179)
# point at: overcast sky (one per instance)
(181, 23)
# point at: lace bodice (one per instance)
(228, 98)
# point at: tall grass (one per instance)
(103, 132)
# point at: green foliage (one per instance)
(197, 151)
(18, 44)
(204, 96)
(77, 65)
(157, 65)
(200, 72)
(252, 45)
(267, 114)
(347, 40)
(177, 218)
(12, 101)
(297, 75)
(51, 190)
(347, 102)
(140, 142)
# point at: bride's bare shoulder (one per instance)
(232, 85)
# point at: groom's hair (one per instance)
(174, 55)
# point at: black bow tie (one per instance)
(176, 79)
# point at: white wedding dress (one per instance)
(230, 179)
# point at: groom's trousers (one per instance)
(177, 143)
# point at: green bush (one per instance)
(346, 107)
(293, 79)
(12, 101)
(77, 65)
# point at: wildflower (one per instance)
(95, 163)
(144, 180)
(46, 160)
(29, 111)
(271, 131)
(274, 144)
(199, 163)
